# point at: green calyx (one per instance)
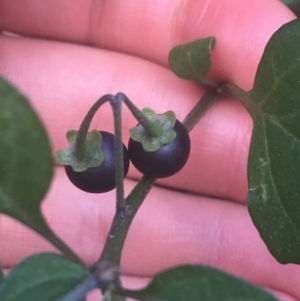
(90, 156)
(152, 143)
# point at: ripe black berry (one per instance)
(167, 160)
(99, 179)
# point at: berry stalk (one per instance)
(152, 128)
(84, 127)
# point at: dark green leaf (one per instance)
(192, 60)
(289, 2)
(294, 5)
(26, 165)
(42, 277)
(194, 283)
(274, 160)
(1, 274)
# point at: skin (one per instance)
(74, 51)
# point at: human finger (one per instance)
(242, 28)
(170, 229)
(63, 81)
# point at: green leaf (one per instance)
(1, 274)
(294, 6)
(42, 277)
(193, 60)
(26, 165)
(274, 159)
(290, 2)
(196, 283)
(93, 155)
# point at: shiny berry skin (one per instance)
(167, 160)
(99, 179)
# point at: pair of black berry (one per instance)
(165, 162)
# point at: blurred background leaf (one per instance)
(294, 5)
(26, 164)
(196, 283)
(42, 277)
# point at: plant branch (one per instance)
(241, 95)
(205, 103)
(116, 104)
(81, 290)
(122, 221)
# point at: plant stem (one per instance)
(206, 102)
(116, 104)
(84, 127)
(81, 291)
(151, 128)
(123, 218)
(122, 221)
(241, 95)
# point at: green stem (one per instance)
(84, 127)
(241, 95)
(205, 103)
(151, 128)
(121, 222)
(116, 104)
(82, 290)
